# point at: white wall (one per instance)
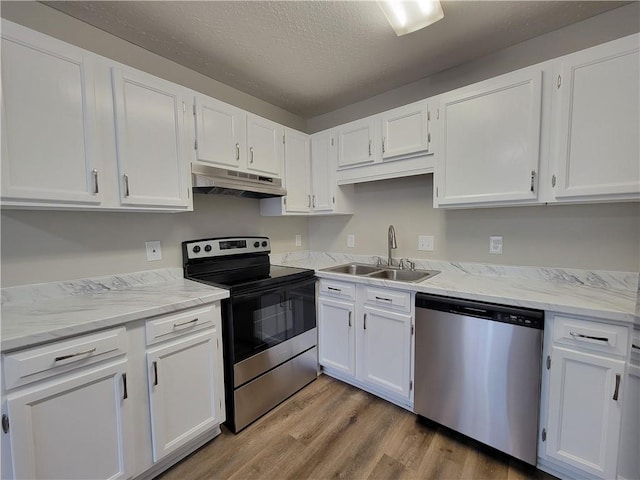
(605, 236)
(49, 246)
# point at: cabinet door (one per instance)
(73, 427)
(323, 165)
(404, 131)
(183, 391)
(490, 138)
(583, 426)
(336, 341)
(383, 331)
(356, 143)
(296, 172)
(597, 143)
(149, 115)
(265, 141)
(220, 133)
(49, 151)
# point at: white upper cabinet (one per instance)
(596, 147)
(49, 150)
(323, 167)
(297, 172)
(265, 140)
(356, 143)
(490, 141)
(149, 119)
(220, 133)
(405, 131)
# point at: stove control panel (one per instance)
(217, 247)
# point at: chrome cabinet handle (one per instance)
(637, 347)
(533, 180)
(383, 150)
(126, 184)
(309, 201)
(313, 201)
(617, 390)
(237, 152)
(384, 299)
(369, 147)
(553, 180)
(65, 357)
(125, 394)
(350, 317)
(251, 152)
(333, 289)
(155, 373)
(580, 335)
(96, 190)
(176, 325)
(365, 322)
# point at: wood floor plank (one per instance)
(333, 430)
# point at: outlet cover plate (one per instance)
(298, 240)
(154, 251)
(425, 242)
(351, 241)
(495, 245)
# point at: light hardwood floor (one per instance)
(332, 430)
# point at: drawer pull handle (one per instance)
(384, 299)
(615, 392)
(333, 289)
(589, 337)
(637, 347)
(65, 357)
(176, 325)
(125, 394)
(155, 373)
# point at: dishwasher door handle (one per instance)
(474, 312)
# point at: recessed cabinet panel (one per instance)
(404, 131)
(220, 133)
(355, 143)
(490, 138)
(48, 121)
(598, 137)
(149, 134)
(265, 145)
(72, 428)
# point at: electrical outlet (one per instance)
(425, 242)
(298, 240)
(351, 240)
(495, 245)
(154, 251)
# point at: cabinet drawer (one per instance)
(338, 289)
(381, 297)
(602, 337)
(37, 363)
(170, 326)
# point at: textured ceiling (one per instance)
(312, 57)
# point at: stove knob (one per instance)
(256, 244)
(207, 248)
(196, 249)
(264, 243)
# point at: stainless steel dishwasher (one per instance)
(477, 371)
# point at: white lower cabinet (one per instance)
(366, 338)
(585, 388)
(81, 408)
(183, 405)
(629, 459)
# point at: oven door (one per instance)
(264, 319)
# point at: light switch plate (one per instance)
(495, 245)
(298, 240)
(425, 242)
(351, 241)
(154, 251)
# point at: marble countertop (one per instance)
(605, 295)
(42, 313)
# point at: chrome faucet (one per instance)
(391, 238)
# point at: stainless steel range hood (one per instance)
(211, 180)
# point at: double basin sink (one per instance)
(384, 273)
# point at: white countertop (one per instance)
(604, 295)
(41, 313)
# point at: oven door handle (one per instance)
(283, 287)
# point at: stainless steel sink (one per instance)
(353, 269)
(385, 273)
(404, 275)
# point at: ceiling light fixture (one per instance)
(406, 16)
